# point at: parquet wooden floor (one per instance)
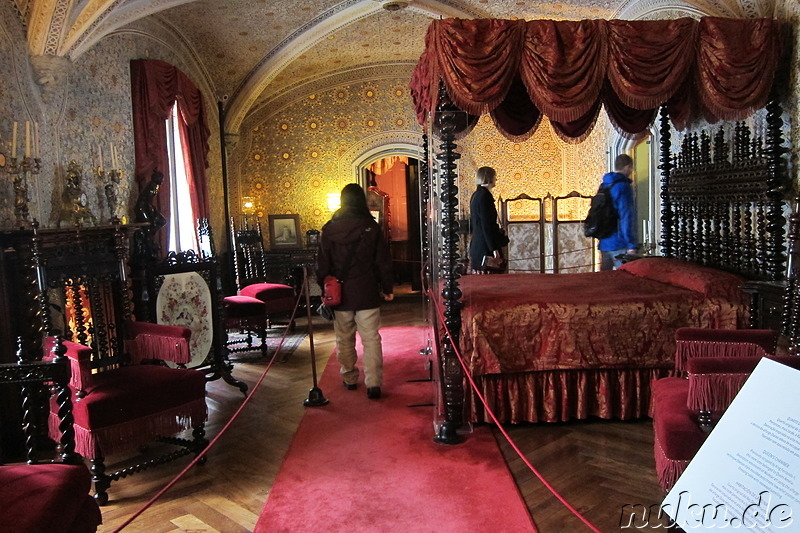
(598, 466)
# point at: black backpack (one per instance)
(602, 219)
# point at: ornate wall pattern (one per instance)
(19, 102)
(540, 165)
(291, 159)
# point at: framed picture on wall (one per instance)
(284, 231)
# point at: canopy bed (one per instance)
(722, 203)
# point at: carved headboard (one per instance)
(723, 198)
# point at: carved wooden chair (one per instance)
(711, 367)
(46, 495)
(244, 314)
(123, 394)
(250, 268)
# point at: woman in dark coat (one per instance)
(487, 237)
(353, 249)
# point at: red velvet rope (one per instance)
(224, 428)
(500, 428)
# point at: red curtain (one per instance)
(155, 87)
(714, 69)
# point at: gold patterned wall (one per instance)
(290, 159)
(540, 165)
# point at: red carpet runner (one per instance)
(372, 466)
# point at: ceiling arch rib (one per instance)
(277, 60)
(47, 25)
(117, 15)
(247, 94)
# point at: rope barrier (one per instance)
(260, 380)
(213, 441)
(502, 430)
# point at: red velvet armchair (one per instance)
(123, 387)
(711, 365)
(50, 496)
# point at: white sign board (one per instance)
(746, 476)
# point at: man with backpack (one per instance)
(624, 239)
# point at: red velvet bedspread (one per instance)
(530, 322)
(554, 347)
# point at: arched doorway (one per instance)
(391, 179)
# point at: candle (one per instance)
(113, 157)
(27, 138)
(14, 141)
(100, 150)
(36, 145)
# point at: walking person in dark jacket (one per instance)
(353, 249)
(487, 237)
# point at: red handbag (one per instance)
(331, 291)
(331, 285)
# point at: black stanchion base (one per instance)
(315, 398)
(447, 434)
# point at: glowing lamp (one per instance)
(248, 205)
(334, 201)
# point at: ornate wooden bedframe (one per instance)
(723, 205)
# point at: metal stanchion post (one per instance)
(315, 396)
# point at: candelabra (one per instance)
(112, 179)
(20, 171)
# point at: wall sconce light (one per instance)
(334, 201)
(248, 205)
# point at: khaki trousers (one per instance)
(367, 322)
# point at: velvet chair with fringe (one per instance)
(126, 389)
(45, 494)
(251, 269)
(711, 366)
(246, 315)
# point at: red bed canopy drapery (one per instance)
(518, 70)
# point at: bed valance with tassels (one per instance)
(517, 70)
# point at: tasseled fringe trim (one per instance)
(80, 368)
(667, 470)
(80, 374)
(146, 346)
(713, 392)
(684, 350)
(134, 433)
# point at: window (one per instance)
(181, 224)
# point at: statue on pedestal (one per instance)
(146, 249)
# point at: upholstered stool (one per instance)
(248, 315)
(676, 431)
(279, 298)
(47, 497)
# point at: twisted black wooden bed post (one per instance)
(665, 165)
(452, 375)
(776, 178)
(425, 201)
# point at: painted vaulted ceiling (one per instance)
(255, 51)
